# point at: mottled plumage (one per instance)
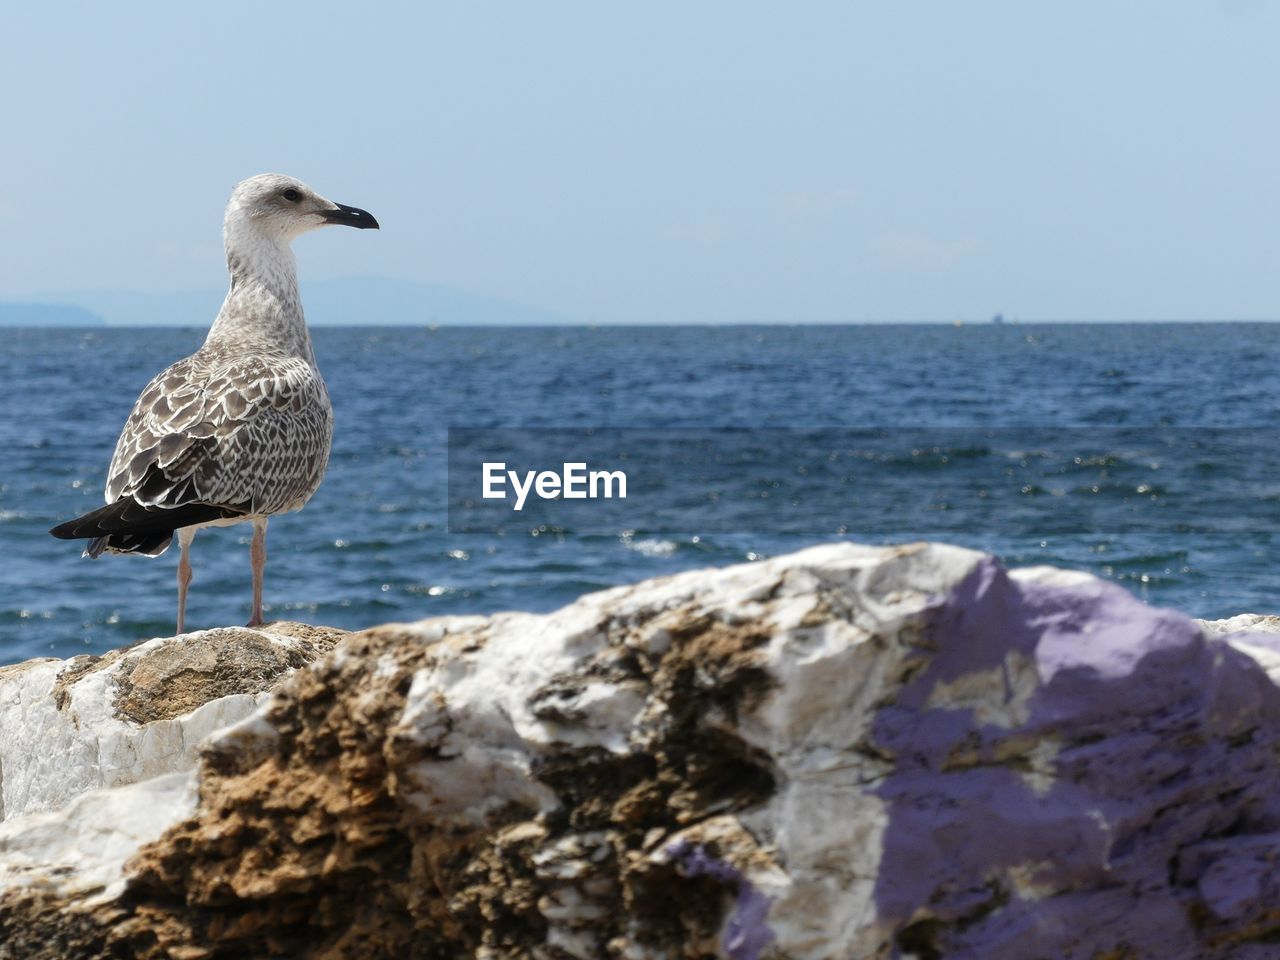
(247, 433)
(241, 429)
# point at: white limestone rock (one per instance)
(67, 727)
(846, 752)
(1255, 634)
(80, 850)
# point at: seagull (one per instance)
(240, 430)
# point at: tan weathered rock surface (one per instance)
(844, 753)
(100, 721)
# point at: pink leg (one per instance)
(185, 536)
(258, 557)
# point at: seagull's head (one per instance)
(282, 208)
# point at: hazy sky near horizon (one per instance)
(668, 162)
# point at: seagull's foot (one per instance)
(255, 622)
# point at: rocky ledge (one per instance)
(848, 752)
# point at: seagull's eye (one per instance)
(292, 195)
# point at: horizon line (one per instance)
(595, 324)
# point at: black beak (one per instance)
(350, 217)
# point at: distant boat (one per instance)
(998, 318)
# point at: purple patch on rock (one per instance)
(746, 933)
(1065, 828)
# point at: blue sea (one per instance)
(374, 544)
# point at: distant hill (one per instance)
(356, 301)
(47, 315)
(380, 302)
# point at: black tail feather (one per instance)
(148, 544)
(127, 526)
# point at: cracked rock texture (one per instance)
(68, 726)
(848, 752)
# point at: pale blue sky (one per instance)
(669, 162)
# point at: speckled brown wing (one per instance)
(250, 433)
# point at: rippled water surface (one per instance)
(372, 545)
